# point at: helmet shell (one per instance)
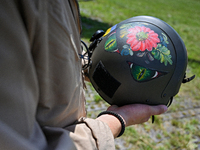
(140, 60)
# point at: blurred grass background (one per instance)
(184, 17)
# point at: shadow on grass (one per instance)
(90, 26)
(193, 61)
(194, 64)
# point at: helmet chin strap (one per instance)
(153, 118)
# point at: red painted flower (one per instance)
(142, 38)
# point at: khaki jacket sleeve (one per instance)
(88, 134)
(41, 90)
(99, 135)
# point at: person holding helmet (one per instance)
(141, 60)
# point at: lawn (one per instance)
(184, 17)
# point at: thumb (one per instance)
(159, 109)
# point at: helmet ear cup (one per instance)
(140, 60)
(104, 81)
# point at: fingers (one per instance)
(137, 113)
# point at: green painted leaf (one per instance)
(165, 38)
(162, 58)
(169, 59)
(164, 50)
(163, 54)
(157, 55)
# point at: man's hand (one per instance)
(132, 114)
(137, 113)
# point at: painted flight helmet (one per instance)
(140, 60)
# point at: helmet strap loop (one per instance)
(185, 80)
(170, 102)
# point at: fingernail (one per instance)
(165, 108)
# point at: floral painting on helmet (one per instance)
(141, 41)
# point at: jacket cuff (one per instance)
(102, 133)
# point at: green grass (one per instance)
(184, 17)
